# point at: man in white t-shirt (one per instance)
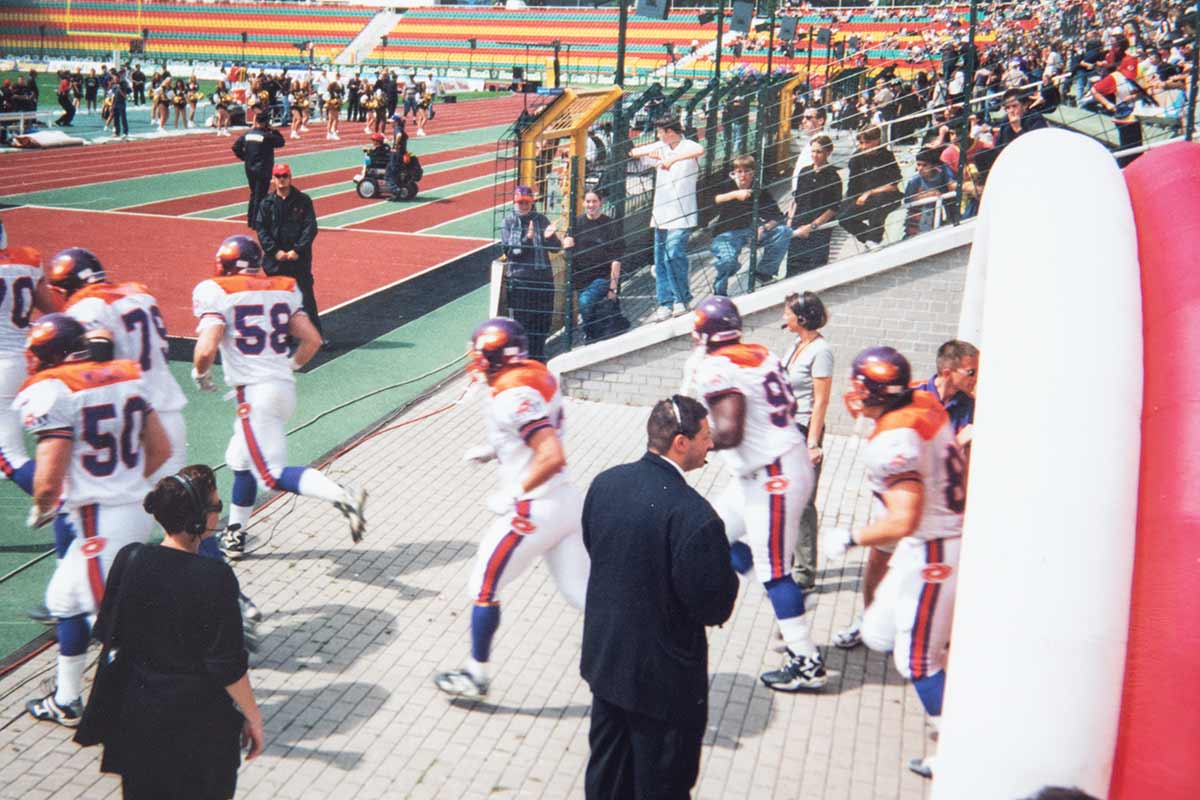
(674, 216)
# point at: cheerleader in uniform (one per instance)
(159, 104)
(297, 100)
(368, 109)
(380, 124)
(305, 103)
(221, 101)
(422, 108)
(193, 97)
(179, 102)
(333, 110)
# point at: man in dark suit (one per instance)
(660, 573)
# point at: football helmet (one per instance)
(716, 320)
(72, 269)
(496, 344)
(55, 339)
(238, 254)
(879, 376)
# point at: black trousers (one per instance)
(301, 271)
(808, 254)
(865, 222)
(139, 94)
(260, 185)
(68, 111)
(352, 109)
(1129, 136)
(120, 120)
(531, 303)
(635, 757)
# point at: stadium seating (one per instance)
(179, 30)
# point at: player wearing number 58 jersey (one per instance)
(251, 319)
(750, 402)
(130, 315)
(915, 469)
(98, 438)
(22, 289)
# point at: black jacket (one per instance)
(289, 224)
(660, 573)
(257, 148)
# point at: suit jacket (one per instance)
(660, 573)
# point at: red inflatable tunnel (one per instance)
(1157, 746)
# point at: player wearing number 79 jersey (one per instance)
(130, 315)
(251, 318)
(750, 402)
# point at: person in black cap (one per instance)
(257, 147)
(527, 238)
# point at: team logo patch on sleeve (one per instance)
(243, 410)
(93, 547)
(522, 525)
(936, 573)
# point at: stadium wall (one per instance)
(907, 296)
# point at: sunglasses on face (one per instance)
(970, 373)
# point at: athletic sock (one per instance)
(312, 483)
(485, 620)
(70, 679)
(930, 689)
(23, 476)
(788, 601)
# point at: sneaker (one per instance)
(679, 310)
(351, 505)
(848, 638)
(662, 314)
(800, 672)
(335, 137)
(47, 709)
(461, 683)
(294, 135)
(233, 542)
(421, 132)
(922, 766)
(304, 129)
(249, 610)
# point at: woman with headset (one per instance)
(178, 710)
(810, 372)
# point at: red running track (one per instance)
(180, 206)
(183, 254)
(30, 171)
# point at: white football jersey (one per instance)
(102, 407)
(754, 372)
(917, 442)
(130, 313)
(524, 400)
(256, 310)
(20, 273)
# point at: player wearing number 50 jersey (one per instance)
(251, 319)
(98, 438)
(915, 469)
(538, 511)
(22, 289)
(752, 409)
(130, 315)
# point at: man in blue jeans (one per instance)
(675, 215)
(734, 228)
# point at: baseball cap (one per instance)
(523, 191)
(1129, 67)
(282, 169)
(377, 137)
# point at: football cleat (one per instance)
(497, 343)
(72, 269)
(42, 616)
(55, 339)
(461, 683)
(49, 710)
(233, 542)
(850, 637)
(716, 320)
(351, 505)
(879, 376)
(238, 254)
(922, 766)
(799, 672)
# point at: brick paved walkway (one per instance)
(353, 635)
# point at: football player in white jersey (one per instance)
(916, 472)
(98, 440)
(538, 511)
(22, 289)
(252, 319)
(752, 413)
(130, 314)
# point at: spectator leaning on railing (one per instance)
(933, 179)
(873, 189)
(596, 260)
(816, 196)
(734, 228)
